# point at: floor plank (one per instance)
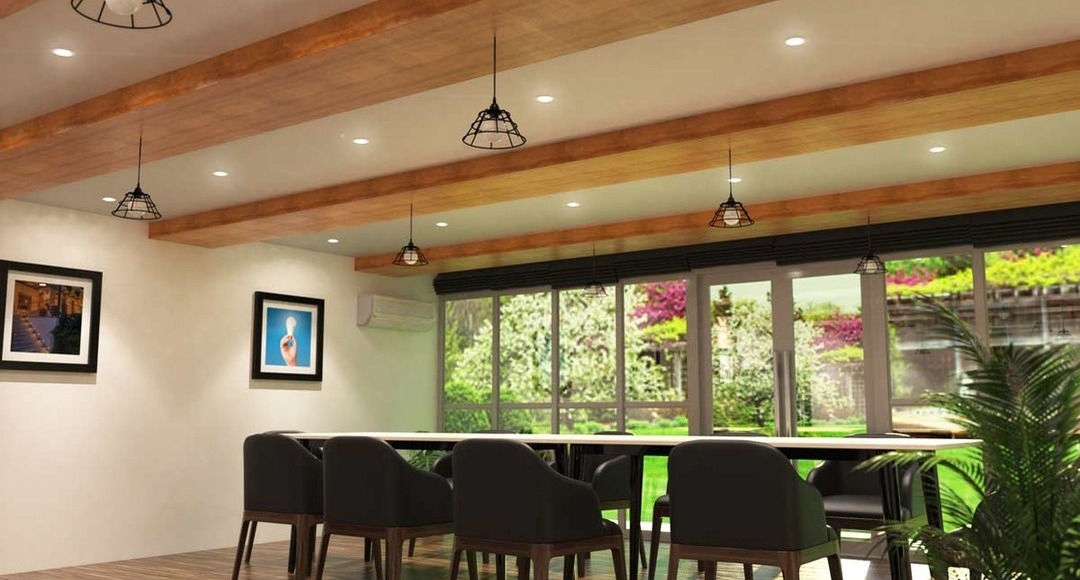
(431, 562)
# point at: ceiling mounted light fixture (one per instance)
(410, 254)
(731, 214)
(594, 288)
(136, 204)
(493, 127)
(130, 14)
(870, 264)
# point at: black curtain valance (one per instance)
(1012, 226)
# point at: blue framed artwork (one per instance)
(287, 342)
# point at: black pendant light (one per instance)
(130, 14)
(410, 254)
(731, 214)
(870, 264)
(136, 204)
(594, 288)
(493, 127)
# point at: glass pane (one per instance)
(525, 349)
(466, 420)
(467, 351)
(1032, 295)
(655, 341)
(662, 421)
(587, 347)
(829, 394)
(525, 420)
(742, 357)
(587, 421)
(919, 362)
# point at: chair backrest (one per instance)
(368, 483)
(850, 481)
(741, 494)
(504, 491)
(281, 475)
(591, 462)
(444, 466)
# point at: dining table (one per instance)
(569, 449)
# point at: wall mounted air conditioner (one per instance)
(394, 313)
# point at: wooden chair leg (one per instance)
(367, 549)
(484, 556)
(412, 547)
(654, 543)
(673, 562)
(641, 551)
(789, 565)
(748, 572)
(541, 560)
(292, 549)
(568, 566)
(250, 542)
(580, 564)
(376, 556)
(304, 527)
(619, 561)
(835, 570)
(471, 558)
(523, 568)
(394, 544)
(240, 550)
(710, 570)
(455, 562)
(500, 567)
(324, 546)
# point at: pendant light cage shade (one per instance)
(870, 265)
(493, 129)
(594, 289)
(129, 14)
(410, 254)
(137, 205)
(731, 214)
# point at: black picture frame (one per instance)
(50, 318)
(271, 317)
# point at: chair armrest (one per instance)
(826, 478)
(573, 510)
(611, 480)
(810, 520)
(911, 490)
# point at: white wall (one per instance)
(144, 457)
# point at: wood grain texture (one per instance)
(1013, 86)
(345, 561)
(986, 192)
(380, 51)
(9, 7)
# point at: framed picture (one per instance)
(287, 342)
(51, 317)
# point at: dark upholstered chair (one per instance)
(372, 492)
(282, 485)
(610, 478)
(742, 501)
(662, 509)
(524, 508)
(853, 498)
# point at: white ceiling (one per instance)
(735, 59)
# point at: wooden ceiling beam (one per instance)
(377, 52)
(1019, 85)
(1000, 190)
(9, 7)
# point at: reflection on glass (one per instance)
(742, 357)
(525, 420)
(1032, 295)
(830, 394)
(586, 347)
(655, 341)
(467, 363)
(525, 349)
(919, 362)
(587, 421)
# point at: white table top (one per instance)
(846, 443)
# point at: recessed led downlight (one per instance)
(63, 52)
(937, 149)
(108, 199)
(795, 41)
(441, 224)
(545, 99)
(221, 174)
(360, 141)
(573, 204)
(332, 240)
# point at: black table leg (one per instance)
(560, 460)
(637, 468)
(899, 561)
(932, 498)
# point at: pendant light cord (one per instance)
(138, 173)
(410, 224)
(494, 65)
(869, 241)
(730, 184)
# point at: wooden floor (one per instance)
(431, 562)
